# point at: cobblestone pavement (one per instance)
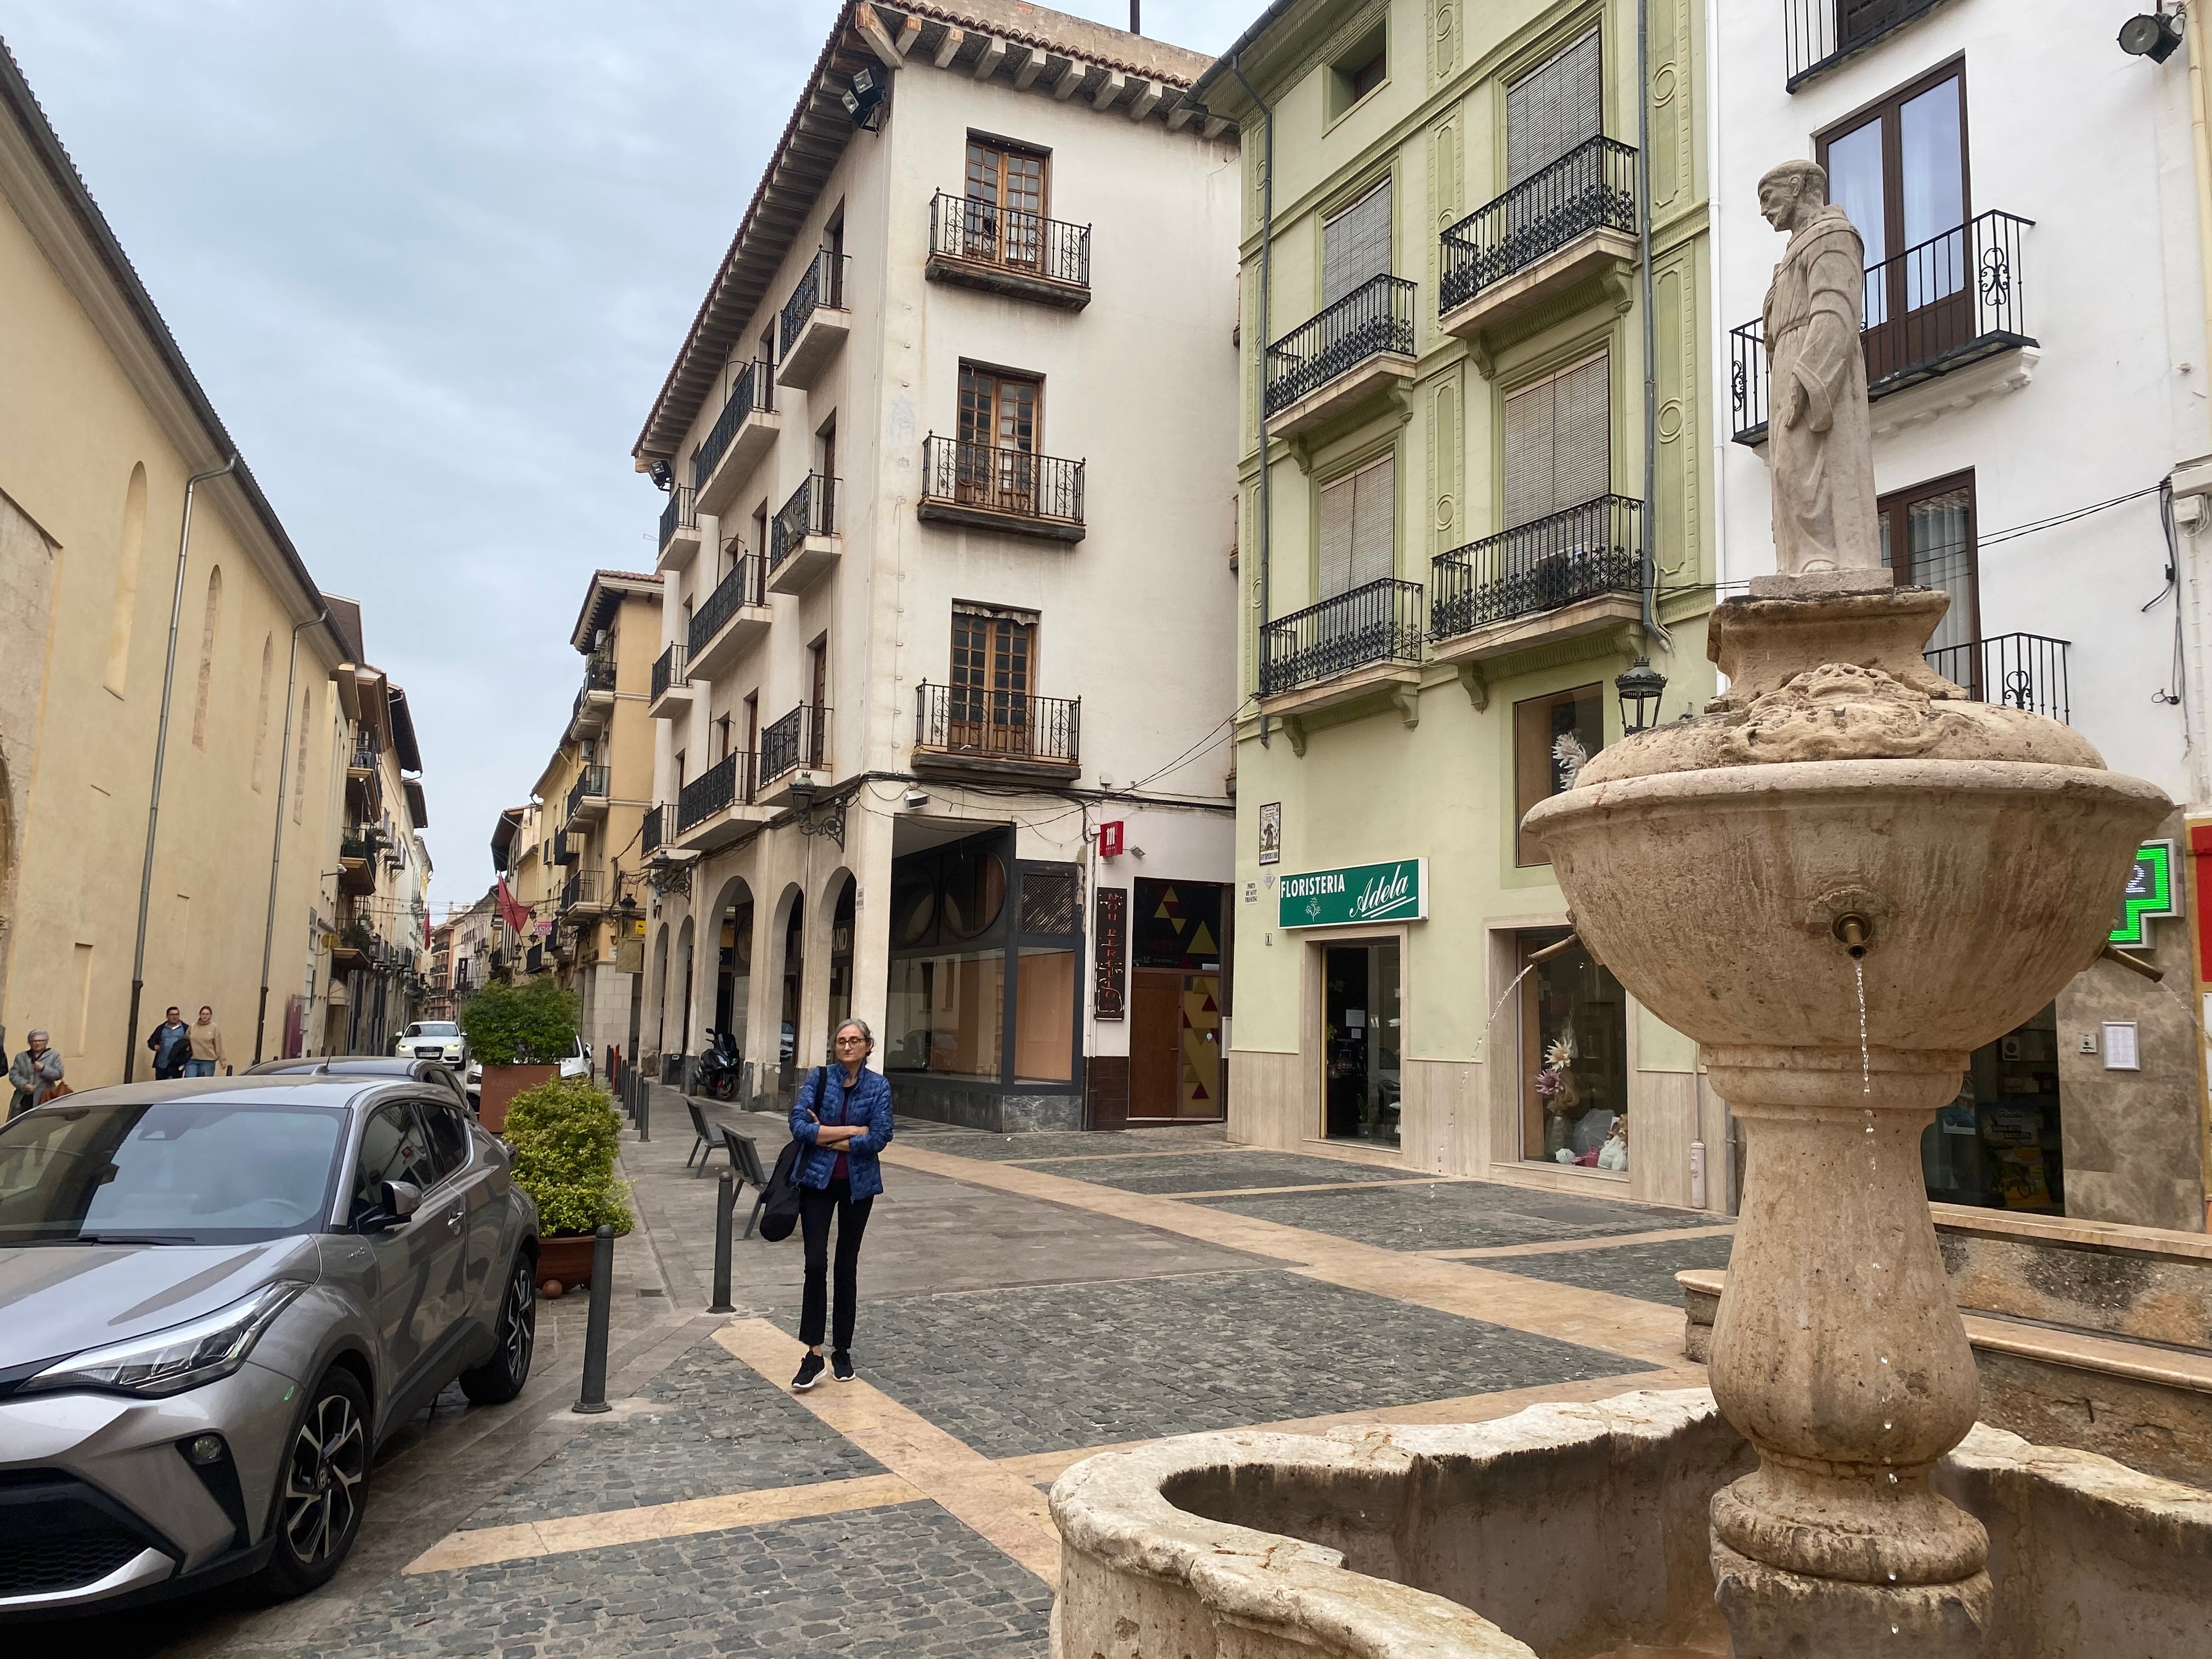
(1005, 1322)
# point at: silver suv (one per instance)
(216, 1299)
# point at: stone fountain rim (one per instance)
(1111, 1507)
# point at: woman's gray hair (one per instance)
(853, 1024)
(41, 1031)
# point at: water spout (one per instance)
(1854, 931)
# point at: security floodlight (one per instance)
(917, 798)
(2151, 35)
(864, 100)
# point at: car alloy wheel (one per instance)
(500, 1378)
(324, 1489)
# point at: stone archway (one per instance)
(656, 988)
(727, 951)
(684, 956)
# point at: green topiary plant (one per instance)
(564, 1134)
(531, 1023)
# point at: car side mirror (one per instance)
(397, 1202)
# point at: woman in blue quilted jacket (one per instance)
(843, 1112)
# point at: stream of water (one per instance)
(1866, 1066)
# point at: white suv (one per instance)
(434, 1039)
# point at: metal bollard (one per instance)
(644, 1113)
(594, 1399)
(726, 1203)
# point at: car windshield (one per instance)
(169, 1172)
(434, 1028)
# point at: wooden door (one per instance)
(1004, 218)
(997, 465)
(1155, 1036)
(988, 707)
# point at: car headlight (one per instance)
(183, 1356)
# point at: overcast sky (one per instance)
(431, 260)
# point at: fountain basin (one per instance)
(1567, 1532)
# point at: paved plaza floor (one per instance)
(1026, 1301)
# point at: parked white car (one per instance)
(578, 1064)
(434, 1039)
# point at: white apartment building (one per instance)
(2029, 195)
(948, 679)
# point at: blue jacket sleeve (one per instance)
(879, 1118)
(803, 1125)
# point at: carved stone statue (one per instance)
(1820, 440)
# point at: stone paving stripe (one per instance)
(1237, 1171)
(1007, 1511)
(1643, 1271)
(1559, 1246)
(1322, 1187)
(484, 1545)
(1593, 1319)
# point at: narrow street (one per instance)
(1025, 1302)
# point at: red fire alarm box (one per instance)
(1110, 840)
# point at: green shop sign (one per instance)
(2149, 896)
(1356, 893)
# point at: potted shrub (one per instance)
(521, 1033)
(564, 1133)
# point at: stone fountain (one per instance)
(1841, 879)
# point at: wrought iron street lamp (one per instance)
(1639, 689)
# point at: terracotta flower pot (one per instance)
(500, 1085)
(564, 1261)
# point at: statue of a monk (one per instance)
(1820, 441)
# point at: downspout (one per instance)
(277, 845)
(1653, 630)
(160, 752)
(1266, 281)
(2200, 132)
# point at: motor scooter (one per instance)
(721, 1071)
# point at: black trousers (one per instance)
(814, 1209)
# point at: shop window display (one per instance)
(1554, 737)
(1574, 1059)
(1361, 1075)
(1997, 1145)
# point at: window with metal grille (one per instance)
(1552, 110)
(1359, 528)
(1050, 899)
(1355, 245)
(1559, 442)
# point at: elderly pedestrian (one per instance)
(207, 1045)
(843, 1112)
(171, 1043)
(36, 1073)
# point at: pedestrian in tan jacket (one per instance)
(207, 1046)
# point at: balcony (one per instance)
(961, 730)
(814, 322)
(1360, 347)
(745, 430)
(2020, 670)
(1024, 256)
(588, 796)
(649, 831)
(1576, 572)
(734, 616)
(356, 866)
(364, 779)
(1951, 303)
(594, 706)
(585, 893)
(672, 682)
(561, 850)
(717, 807)
(803, 541)
(985, 488)
(1562, 225)
(795, 753)
(1363, 640)
(1819, 35)
(679, 529)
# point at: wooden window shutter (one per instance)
(1559, 442)
(1528, 453)
(1355, 246)
(1375, 523)
(1337, 500)
(1550, 111)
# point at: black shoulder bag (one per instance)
(780, 1209)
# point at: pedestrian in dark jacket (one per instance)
(171, 1043)
(34, 1073)
(843, 1112)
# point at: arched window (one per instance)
(126, 580)
(207, 656)
(261, 717)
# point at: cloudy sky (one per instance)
(431, 260)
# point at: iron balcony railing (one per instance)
(811, 511)
(1010, 239)
(668, 669)
(591, 782)
(2021, 671)
(1817, 34)
(1953, 299)
(1591, 187)
(724, 784)
(1380, 622)
(679, 515)
(649, 833)
(585, 887)
(561, 850)
(751, 393)
(1554, 561)
(1010, 480)
(799, 738)
(972, 719)
(1376, 317)
(746, 584)
(366, 750)
(821, 284)
(599, 671)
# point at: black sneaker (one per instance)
(840, 1366)
(810, 1373)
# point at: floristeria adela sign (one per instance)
(1358, 893)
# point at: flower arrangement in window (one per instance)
(1555, 1084)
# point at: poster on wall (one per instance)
(1271, 833)
(1108, 993)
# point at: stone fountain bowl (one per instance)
(1715, 893)
(1567, 1532)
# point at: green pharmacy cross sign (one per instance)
(1354, 894)
(2149, 896)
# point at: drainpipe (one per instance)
(1652, 629)
(1266, 281)
(160, 752)
(276, 846)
